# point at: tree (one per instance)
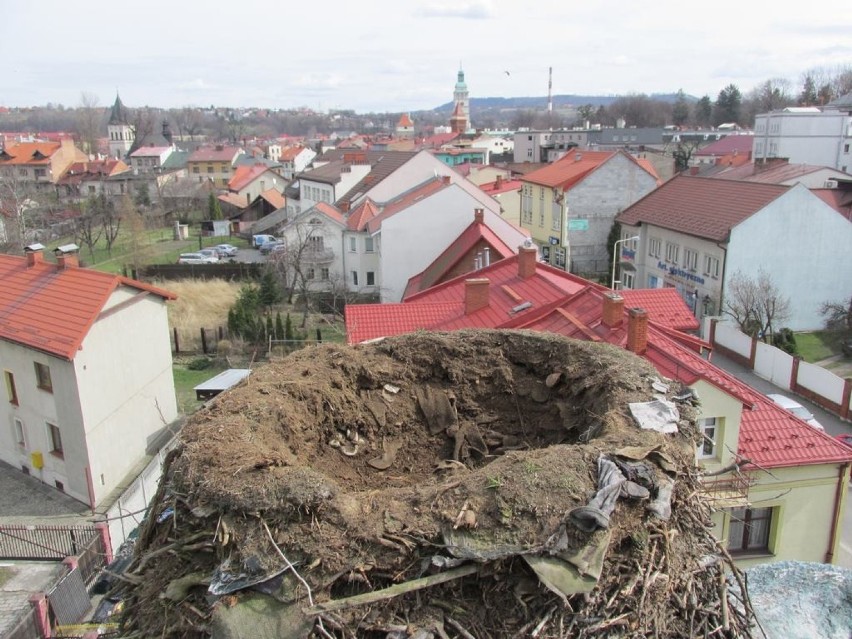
(756, 305)
(703, 113)
(585, 113)
(270, 289)
(680, 110)
(111, 218)
(88, 228)
(728, 105)
(683, 152)
(214, 210)
(808, 96)
(142, 196)
(89, 118)
(838, 316)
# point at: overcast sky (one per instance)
(382, 55)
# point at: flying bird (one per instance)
(507, 73)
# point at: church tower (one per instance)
(460, 97)
(119, 130)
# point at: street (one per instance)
(833, 426)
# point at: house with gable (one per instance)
(328, 181)
(214, 164)
(295, 159)
(87, 366)
(778, 171)
(569, 206)
(248, 182)
(696, 234)
(88, 179)
(39, 164)
(777, 485)
(150, 159)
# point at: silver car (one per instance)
(797, 409)
(197, 258)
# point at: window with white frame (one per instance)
(20, 434)
(324, 273)
(711, 266)
(672, 251)
(627, 280)
(559, 257)
(368, 245)
(54, 436)
(309, 273)
(353, 244)
(655, 247)
(11, 390)
(355, 278)
(690, 259)
(709, 429)
(371, 278)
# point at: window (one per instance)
(711, 266)
(43, 172)
(195, 169)
(315, 243)
(22, 172)
(846, 148)
(672, 251)
(210, 169)
(309, 274)
(749, 530)
(709, 437)
(324, 273)
(655, 246)
(690, 259)
(627, 280)
(353, 244)
(43, 377)
(368, 245)
(20, 435)
(11, 391)
(559, 258)
(91, 190)
(371, 278)
(355, 278)
(55, 439)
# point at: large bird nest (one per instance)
(423, 487)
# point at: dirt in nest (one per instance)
(344, 471)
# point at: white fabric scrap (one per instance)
(659, 415)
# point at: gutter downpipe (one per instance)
(838, 499)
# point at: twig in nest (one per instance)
(455, 624)
(541, 624)
(290, 566)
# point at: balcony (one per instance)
(727, 491)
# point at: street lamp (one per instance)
(615, 255)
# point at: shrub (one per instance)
(785, 339)
(199, 364)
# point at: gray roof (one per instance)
(843, 103)
(176, 160)
(118, 114)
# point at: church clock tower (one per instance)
(460, 97)
(119, 130)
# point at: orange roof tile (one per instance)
(664, 305)
(568, 170)
(362, 214)
(50, 309)
(29, 153)
(275, 198)
(245, 175)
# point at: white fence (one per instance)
(128, 510)
(809, 380)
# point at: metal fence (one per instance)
(44, 542)
(26, 628)
(92, 559)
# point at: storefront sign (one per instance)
(674, 271)
(578, 225)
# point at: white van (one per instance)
(259, 240)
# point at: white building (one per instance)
(807, 135)
(295, 159)
(547, 146)
(150, 159)
(87, 365)
(328, 182)
(697, 233)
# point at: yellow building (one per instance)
(214, 164)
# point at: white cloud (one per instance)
(477, 9)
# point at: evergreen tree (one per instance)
(289, 334)
(728, 105)
(703, 111)
(279, 326)
(270, 290)
(680, 110)
(214, 211)
(270, 331)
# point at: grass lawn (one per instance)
(185, 381)
(816, 346)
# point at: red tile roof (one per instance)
(275, 198)
(474, 235)
(569, 170)
(330, 212)
(214, 154)
(405, 121)
(245, 175)
(739, 144)
(838, 199)
(501, 186)
(362, 214)
(50, 309)
(291, 153)
(665, 305)
(29, 153)
(770, 437)
(702, 207)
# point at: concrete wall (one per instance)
(801, 225)
(809, 380)
(728, 413)
(805, 138)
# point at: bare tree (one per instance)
(89, 229)
(838, 316)
(188, 122)
(111, 218)
(89, 121)
(756, 305)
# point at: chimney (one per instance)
(445, 179)
(34, 254)
(479, 216)
(527, 256)
(66, 256)
(693, 170)
(498, 183)
(637, 331)
(344, 207)
(613, 310)
(475, 294)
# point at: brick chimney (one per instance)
(479, 216)
(613, 310)
(445, 179)
(344, 207)
(34, 254)
(475, 294)
(637, 331)
(498, 183)
(527, 256)
(66, 256)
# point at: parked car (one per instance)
(211, 253)
(796, 408)
(197, 258)
(268, 247)
(259, 241)
(226, 250)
